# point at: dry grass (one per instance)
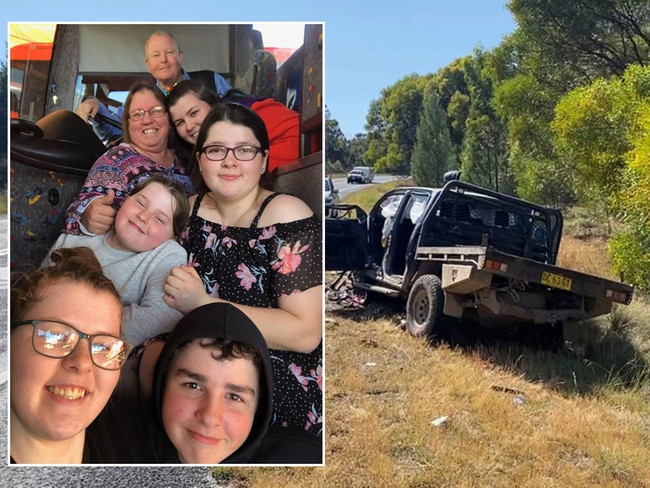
(516, 416)
(385, 388)
(586, 255)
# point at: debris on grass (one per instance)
(519, 400)
(505, 389)
(439, 421)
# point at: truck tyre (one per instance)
(424, 317)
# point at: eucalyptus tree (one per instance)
(392, 122)
(484, 155)
(336, 146)
(434, 152)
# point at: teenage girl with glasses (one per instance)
(260, 251)
(66, 354)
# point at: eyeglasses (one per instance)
(58, 340)
(217, 152)
(154, 112)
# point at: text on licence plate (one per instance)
(556, 281)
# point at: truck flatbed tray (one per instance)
(515, 267)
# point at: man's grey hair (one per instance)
(160, 33)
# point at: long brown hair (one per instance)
(202, 92)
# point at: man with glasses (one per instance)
(164, 60)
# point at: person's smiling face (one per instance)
(187, 114)
(208, 406)
(230, 178)
(145, 219)
(164, 60)
(54, 399)
(149, 133)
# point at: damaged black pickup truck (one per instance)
(465, 252)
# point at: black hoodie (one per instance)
(221, 320)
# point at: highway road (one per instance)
(4, 251)
(345, 189)
(4, 279)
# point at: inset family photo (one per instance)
(166, 204)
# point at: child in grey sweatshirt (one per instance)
(138, 253)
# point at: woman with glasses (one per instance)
(66, 353)
(260, 251)
(145, 150)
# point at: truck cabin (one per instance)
(471, 216)
(52, 149)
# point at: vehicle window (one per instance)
(119, 95)
(327, 185)
(416, 206)
(111, 90)
(390, 205)
(30, 64)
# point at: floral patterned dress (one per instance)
(256, 266)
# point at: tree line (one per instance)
(558, 113)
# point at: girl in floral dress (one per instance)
(260, 251)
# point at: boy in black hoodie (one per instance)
(208, 409)
(200, 347)
(212, 386)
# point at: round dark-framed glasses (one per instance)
(58, 340)
(217, 152)
(154, 112)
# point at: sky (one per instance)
(369, 46)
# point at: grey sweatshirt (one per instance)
(139, 278)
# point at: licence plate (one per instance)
(556, 281)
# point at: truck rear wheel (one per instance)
(424, 316)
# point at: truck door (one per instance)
(346, 238)
(407, 215)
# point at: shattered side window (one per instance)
(390, 205)
(418, 204)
